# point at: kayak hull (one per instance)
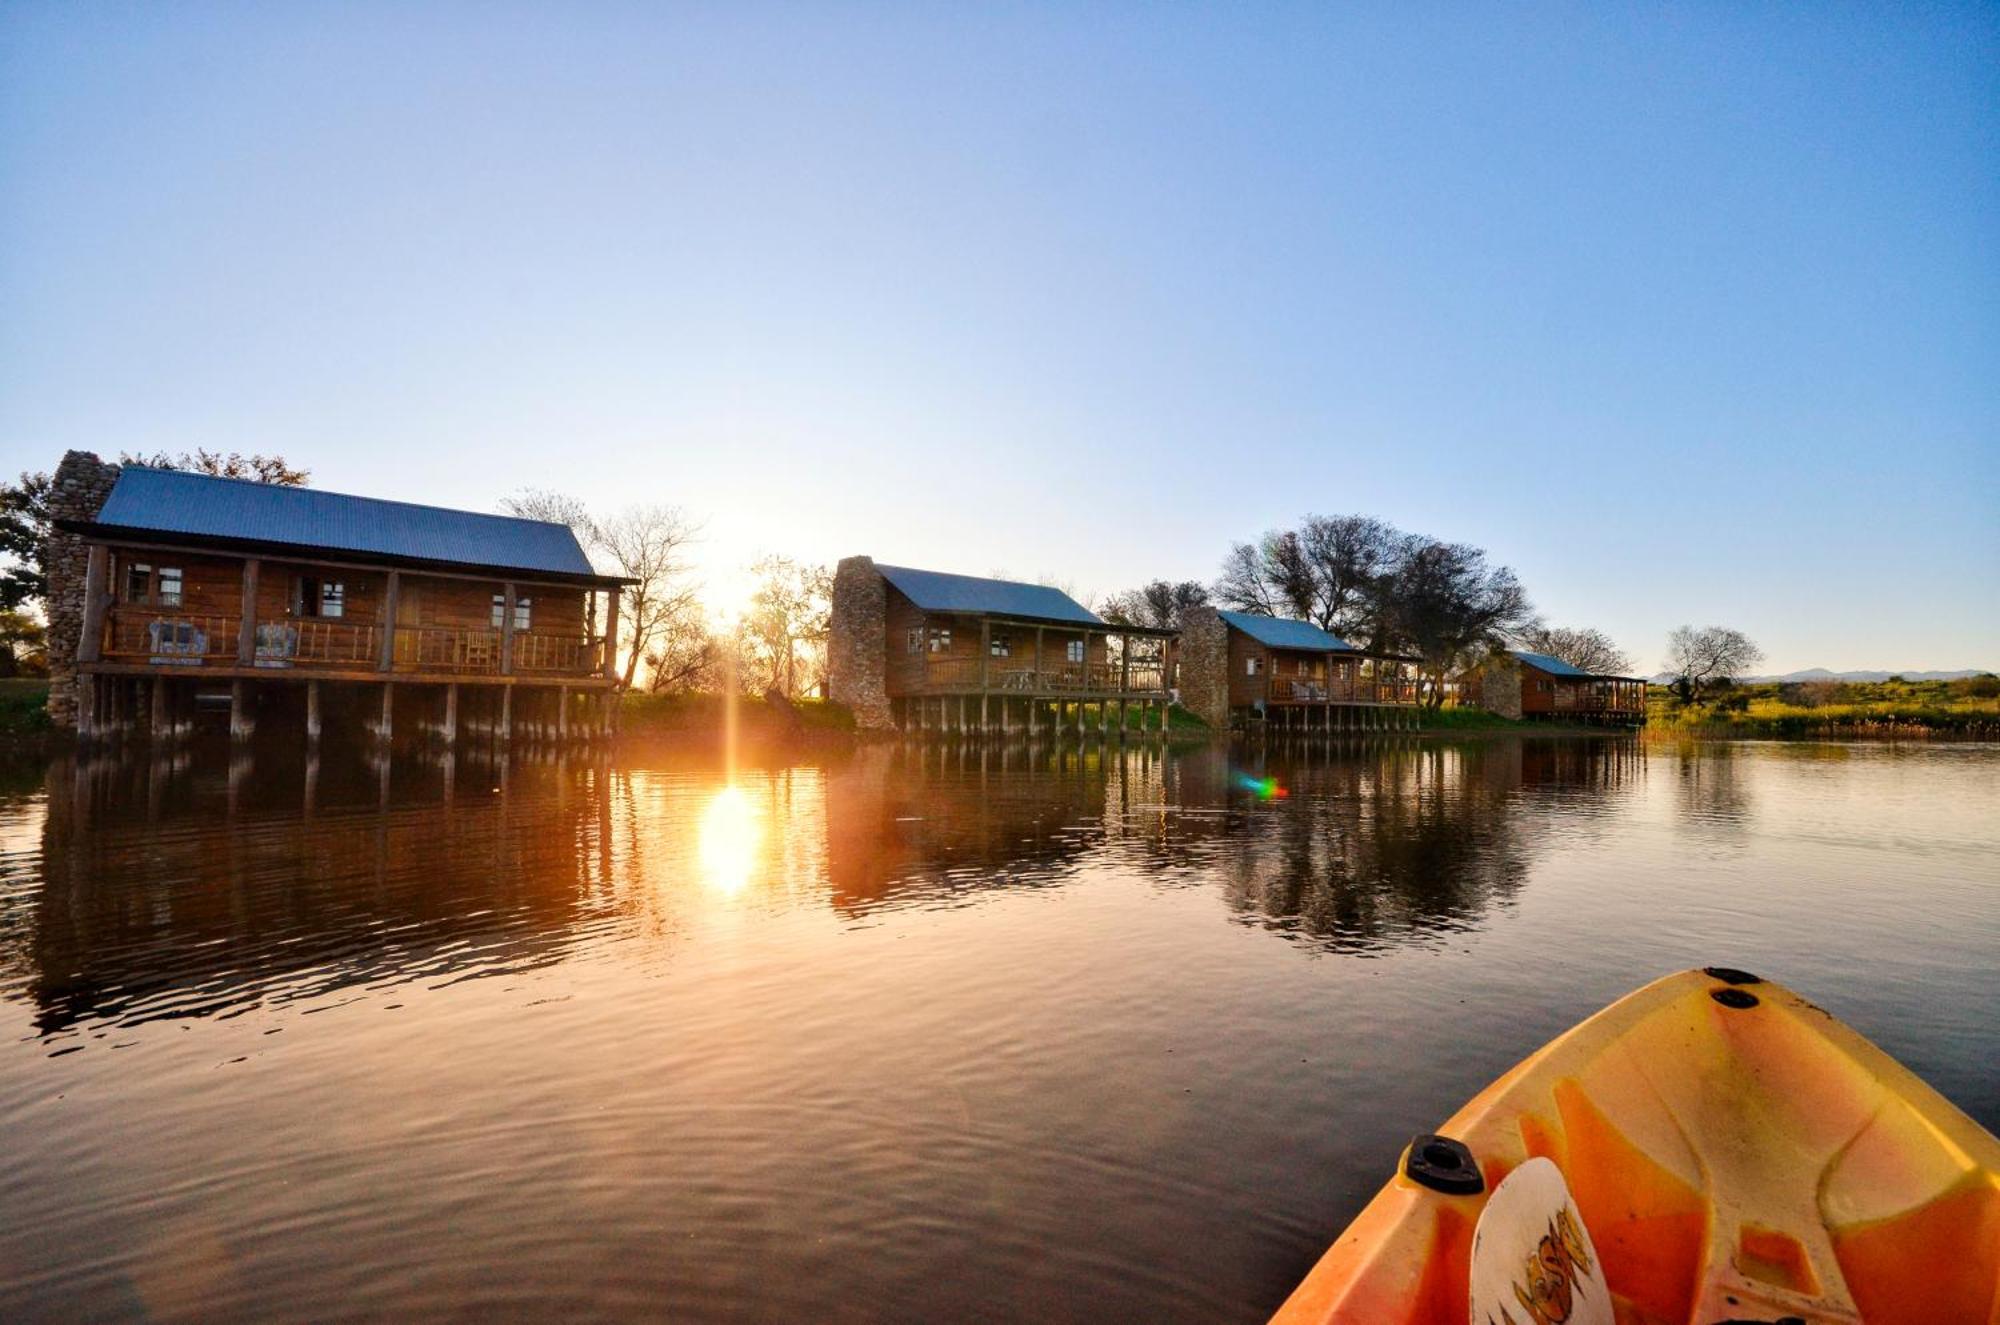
(1735, 1152)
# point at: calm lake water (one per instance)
(909, 1035)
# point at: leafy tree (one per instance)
(792, 607)
(1448, 605)
(24, 540)
(234, 464)
(23, 642)
(1703, 660)
(1160, 604)
(1582, 648)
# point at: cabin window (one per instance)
(167, 588)
(1074, 650)
(138, 582)
(160, 587)
(322, 598)
(940, 639)
(1000, 646)
(1252, 665)
(916, 639)
(523, 611)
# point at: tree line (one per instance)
(1447, 606)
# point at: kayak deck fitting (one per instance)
(1735, 1154)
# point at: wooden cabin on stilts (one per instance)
(958, 655)
(321, 612)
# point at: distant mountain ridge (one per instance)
(1822, 674)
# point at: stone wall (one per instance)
(1204, 666)
(82, 482)
(857, 648)
(1500, 687)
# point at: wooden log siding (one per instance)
(228, 607)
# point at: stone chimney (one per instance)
(82, 482)
(857, 646)
(1204, 666)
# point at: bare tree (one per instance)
(789, 611)
(1348, 555)
(234, 464)
(686, 654)
(1701, 660)
(1585, 649)
(1160, 604)
(1243, 585)
(1448, 606)
(555, 508)
(1329, 571)
(649, 546)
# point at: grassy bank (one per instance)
(758, 724)
(24, 707)
(1966, 708)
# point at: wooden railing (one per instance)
(1601, 697)
(152, 635)
(1342, 689)
(446, 649)
(1008, 676)
(343, 643)
(572, 655)
(142, 634)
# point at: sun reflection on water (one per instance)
(729, 837)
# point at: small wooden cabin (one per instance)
(284, 599)
(1241, 667)
(935, 651)
(1521, 684)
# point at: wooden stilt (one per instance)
(506, 715)
(312, 712)
(86, 709)
(451, 713)
(562, 713)
(157, 719)
(386, 731)
(239, 710)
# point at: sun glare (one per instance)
(729, 836)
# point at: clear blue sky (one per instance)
(1687, 312)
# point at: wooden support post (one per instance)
(985, 718)
(156, 721)
(562, 713)
(507, 629)
(246, 625)
(312, 713)
(239, 711)
(451, 713)
(506, 715)
(96, 598)
(389, 609)
(386, 731)
(1033, 704)
(611, 633)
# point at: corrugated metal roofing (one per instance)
(1279, 633)
(1549, 663)
(937, 591)
(171, 501)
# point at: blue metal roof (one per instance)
(1548, 663)
(1279, 633)
(936, 591)
(171, 501)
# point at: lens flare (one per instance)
(729, 837)
(1269, 789)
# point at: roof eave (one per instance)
(315, 552)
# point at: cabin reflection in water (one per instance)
(201, 885)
